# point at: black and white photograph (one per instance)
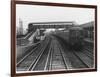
(54, 38)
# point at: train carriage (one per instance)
(40, 35)
(76, 37)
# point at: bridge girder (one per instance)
(34, 26)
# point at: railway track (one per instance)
(58, 60)
(28, 51)
(27, 61)
(39, 64)
(89, 50)
(85, 59)
(90, 55)
(49, 57)
(52, 54)
(52, 58)
(77, 59)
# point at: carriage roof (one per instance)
(76, 28)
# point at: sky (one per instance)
(37, 13)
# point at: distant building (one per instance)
(20, 30)
(17, 30)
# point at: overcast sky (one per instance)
(36, 13)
